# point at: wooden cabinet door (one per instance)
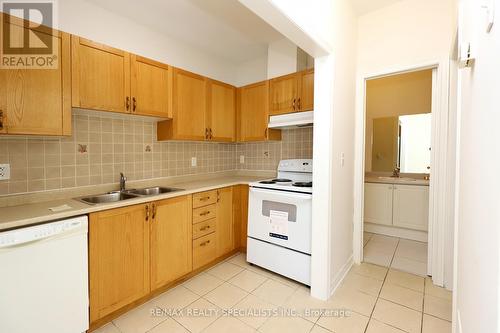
(240, 215)
(411, 207)
(283, 94)
(100, 76)
(378, 203)
(253, 104)
(171, 240)
(224, 227)
(306, 87)
(118, 258)
(189, 106)
(221, 116)
(37, 101)
(151, 85)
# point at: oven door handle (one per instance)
(294, 195)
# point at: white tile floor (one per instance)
(376, 300)
(398, 253)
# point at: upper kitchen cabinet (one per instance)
(36, 101)
(221, 115)
(292, 93)
(306, 88)
(101, 76)
(109, 79)
(203, 110)
(189, 108)
(253, 114)
(151, 91)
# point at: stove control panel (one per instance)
(299, 165)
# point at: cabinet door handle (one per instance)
(206, 133)
(298, 104)
(205, 213)
(147, 213)
(127, 103)
(293, 104)
(210, 134)
(205, 228)
(134, 104)
(205, 243)
(218, 196)
(204, 198)
(1, 120)
(154, 211)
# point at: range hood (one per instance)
(292, 120)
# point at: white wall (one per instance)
(344, 97)
(281, 58)
(407, 34)
(252, 71)
(90, 21)
(478, 230)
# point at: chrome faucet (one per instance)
(123, 180)
(396, 172)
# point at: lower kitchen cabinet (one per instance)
(171, 234)
(118, 258)
(240, 215)
(224, 226)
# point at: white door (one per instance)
(291, 211)
(378, 203)
(411, 207)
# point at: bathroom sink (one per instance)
(107, 198)
(398, 178)
(153, 191)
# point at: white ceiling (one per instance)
(365, 6)
(224, 28)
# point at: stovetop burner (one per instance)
(268, 182)
(282, 180)
(303, 184)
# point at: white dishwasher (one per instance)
(44, 278)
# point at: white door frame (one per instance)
(438, 214)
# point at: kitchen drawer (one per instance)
(203, 228)
(204, 250)
(204, 198)
(204, 213)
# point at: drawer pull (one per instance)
(205, 213)
(205, 243)
(205, 228)
(205, 198)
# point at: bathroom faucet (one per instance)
(123, 179)
(396, 172)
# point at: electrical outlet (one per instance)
(194, 161)
(242, 159)
(4, 171)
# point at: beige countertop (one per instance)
(402, 181)
(34, 213)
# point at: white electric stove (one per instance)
(279, 221)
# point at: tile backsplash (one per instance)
(104, 145)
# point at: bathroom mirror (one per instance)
(403, 142)
(398, 123)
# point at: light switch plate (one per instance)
(194, 161)
(4, 171)
(242, 159)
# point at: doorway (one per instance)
(397, 170)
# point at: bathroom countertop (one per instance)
(393, 180)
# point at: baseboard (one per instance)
(335, 283)
(416, 235)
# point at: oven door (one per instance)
(280, 217)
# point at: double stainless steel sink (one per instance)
(126, 195)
